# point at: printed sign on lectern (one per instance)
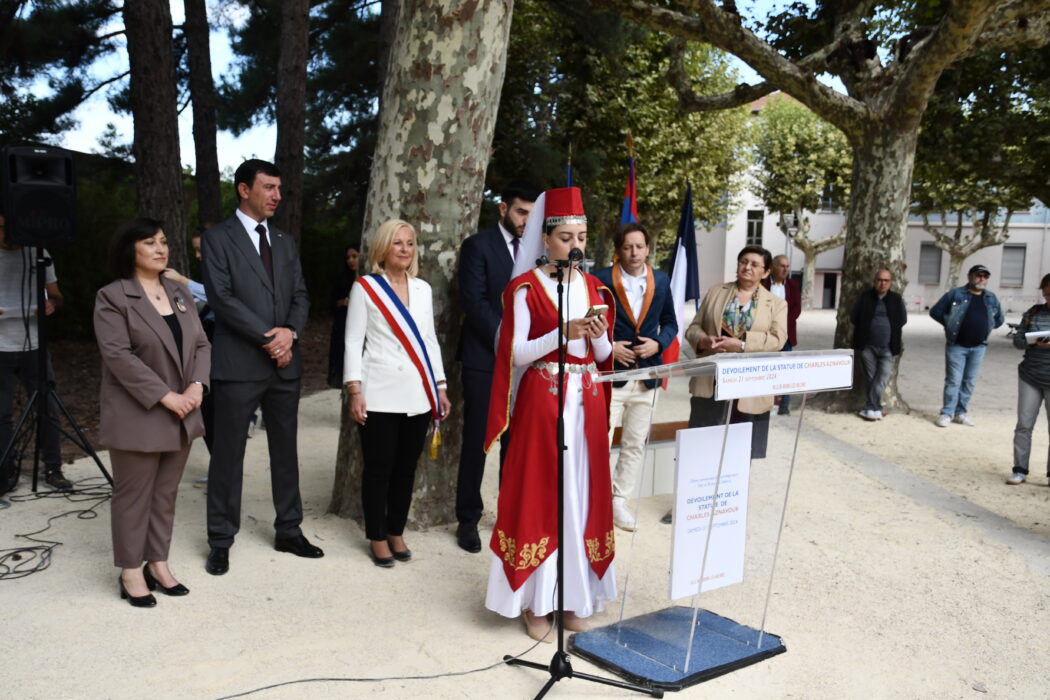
(705, 499)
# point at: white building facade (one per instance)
(1017, 265)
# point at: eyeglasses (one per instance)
(750, 263)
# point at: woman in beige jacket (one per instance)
(155, 365)
(739, 316)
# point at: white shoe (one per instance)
(962, 419)
(1016, 478)
(867, 415)
(942, 421)
(622, 517)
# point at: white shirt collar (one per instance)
(249, 223)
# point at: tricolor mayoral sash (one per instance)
(406, 331)
(526, 530)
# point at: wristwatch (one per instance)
(295, 334)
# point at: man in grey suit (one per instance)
(255, 287)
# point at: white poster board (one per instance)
(696, 456)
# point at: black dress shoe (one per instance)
(153, 584)
(467, 538)
(299, 546)
(403, 555)
(385, 562)
(218, 561)
(137, 601)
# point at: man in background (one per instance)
(968, 314)
(878, 317)
(485, 263)
(645, 325)
(20, 354)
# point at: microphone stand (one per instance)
(560, 665)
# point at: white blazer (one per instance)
(375, 357)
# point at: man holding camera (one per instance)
(20, 355)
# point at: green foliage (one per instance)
(341, 120)
(985, 140)
(565, 88)
(800, 158)
(46, 49)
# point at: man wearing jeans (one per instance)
(968, 315)
(878, 316)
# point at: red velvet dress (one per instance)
(525, 535)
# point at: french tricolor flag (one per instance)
(685, 275)
(629, 210)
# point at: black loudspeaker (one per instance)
(39, 196)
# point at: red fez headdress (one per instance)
(564, 206)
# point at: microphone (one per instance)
(541, 261)
(575, 255)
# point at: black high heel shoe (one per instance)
(153, 584)
(404, 555)
(139, 601)
(385, 562)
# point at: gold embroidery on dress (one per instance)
(528, 557)
(506, 546)
(594, 547)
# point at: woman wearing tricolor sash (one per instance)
(522, 577)
(396, 383)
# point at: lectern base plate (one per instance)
(651, 649)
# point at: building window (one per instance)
(829, 199)
(755, 217)
(929, 264)
(1013, 265)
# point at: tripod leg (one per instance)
(81, 441)
(16, 434)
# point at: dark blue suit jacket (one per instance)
(484, 271)
(660, 324)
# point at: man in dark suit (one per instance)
(780, 283)
(485, 263)
(646, 324)
(255, 287)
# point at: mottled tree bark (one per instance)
(291, 113)
(202, 92)
(158, 167)
(439, 108)
(878, 218)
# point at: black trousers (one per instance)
(234, 403)
(390, 444)
(477, 386)
(706, 412)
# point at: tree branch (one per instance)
(104, 83)
(1027, 25)
(723, 30)
(905, 100)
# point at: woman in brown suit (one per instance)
(739, 316)
(155, 365)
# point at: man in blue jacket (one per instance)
(486, 260)
(645, 325)
(968, 315)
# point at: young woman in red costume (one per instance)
(522, 578)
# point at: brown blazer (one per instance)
(769, 332)
(140, 364)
